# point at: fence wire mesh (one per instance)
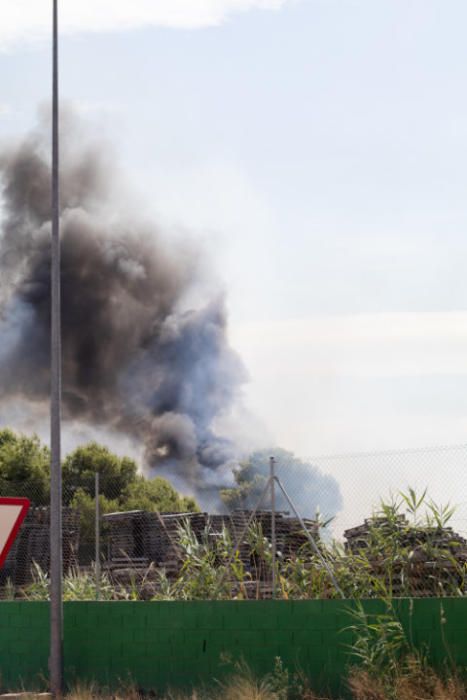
(358, 525)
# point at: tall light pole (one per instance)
(56, 616)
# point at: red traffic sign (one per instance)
(12, 513)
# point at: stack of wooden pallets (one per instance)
(430, 560)
(140, 543)
(32, 546)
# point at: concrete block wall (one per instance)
(179, 644)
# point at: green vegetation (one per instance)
(390, 666)
(25, 471)
(384, 568)
(121, 488)
(408, 548)
(413, 681)
(24, 467)
(400, 557)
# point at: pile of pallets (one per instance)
(32, 546)
(290, 538)
(360, 537)
(162, 537)
(124, 536)
(141, 543)
(431, 559)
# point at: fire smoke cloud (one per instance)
(137, 357)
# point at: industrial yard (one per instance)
(233, 350)
(152, 555)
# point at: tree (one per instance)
(310, 490)
(25, 471)
(24, 467)
(119, 482)
(85, 504)
(121, 488)
(116, 474)
(156, 495)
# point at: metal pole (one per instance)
(272, 463)
(56, 615)
(98, 540)
(242, 535)
(310, 539)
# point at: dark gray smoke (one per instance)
(137, 358)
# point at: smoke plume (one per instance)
(139, 355)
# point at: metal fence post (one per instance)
(272, 464)
(98, 539)
(56, 563)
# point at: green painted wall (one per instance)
(181, 643)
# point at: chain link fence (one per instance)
(366, 524)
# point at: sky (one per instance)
(317, 149)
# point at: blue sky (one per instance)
(317, 148)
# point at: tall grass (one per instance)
(392, 561)
(391, 667)
(415, 682)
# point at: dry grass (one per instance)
(90, 691)
(415, 682)
(364, 687)
(83, 691)
(247, 689)
(239, 687)
(452, 689)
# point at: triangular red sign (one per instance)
(12, 513)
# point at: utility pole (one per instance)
(56, 614)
